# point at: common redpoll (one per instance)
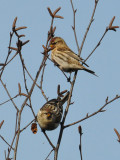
(64, 57)
(49, 116)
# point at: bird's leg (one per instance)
(48, 139)
(68, 78)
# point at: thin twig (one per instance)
(13, 137)
(9, 99)
(9, 60)
(41, 82)
(36, 83)
(71, 90)
(9, 95)
(49, 140)
(80, 146)
(96, 45)
(23, 66)
(32, 107)
(24, 103)
(9, 51)
(6, 141)
(49, 154)
(91, 20)
(98, 111)
(64, 117)
(26, 126)
(73, 27)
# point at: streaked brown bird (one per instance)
(49, 116)
(65, 58)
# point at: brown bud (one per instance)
(106, 100)
(63, 92)
(14, 22)
(57, 16)
(19, 87)
(22, 35)
(54, 13)
(49, 10)
(80, 129)
(111, 22)
(117, 133)
(1, 124)
(25, 42)
(13, 48)
(44, 47)
(58, 89)
(19, 28)
(113, 28)
(54, 30)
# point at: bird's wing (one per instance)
(71, 54)
(50, 102)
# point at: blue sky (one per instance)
(98, 140)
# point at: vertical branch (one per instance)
(64, 118)
(91, 20)
(9, 95)
(73, 27)
(22, 107)
(13, 137)
(80, 146)
(9, 51)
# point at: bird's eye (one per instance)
(53, 43)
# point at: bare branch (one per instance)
(49, 154)
(73, 27)
(27, 126)
(80, 146)
(9, 95)
(91, 20)
(6, 141)
(98, 111)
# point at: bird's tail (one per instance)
(90, 71)
(64, 99)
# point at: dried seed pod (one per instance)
(34, 128)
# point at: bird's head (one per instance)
(57, 41)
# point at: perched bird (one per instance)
(65, 58)
(49, 116)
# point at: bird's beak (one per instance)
(48, 115)
(51, 46)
